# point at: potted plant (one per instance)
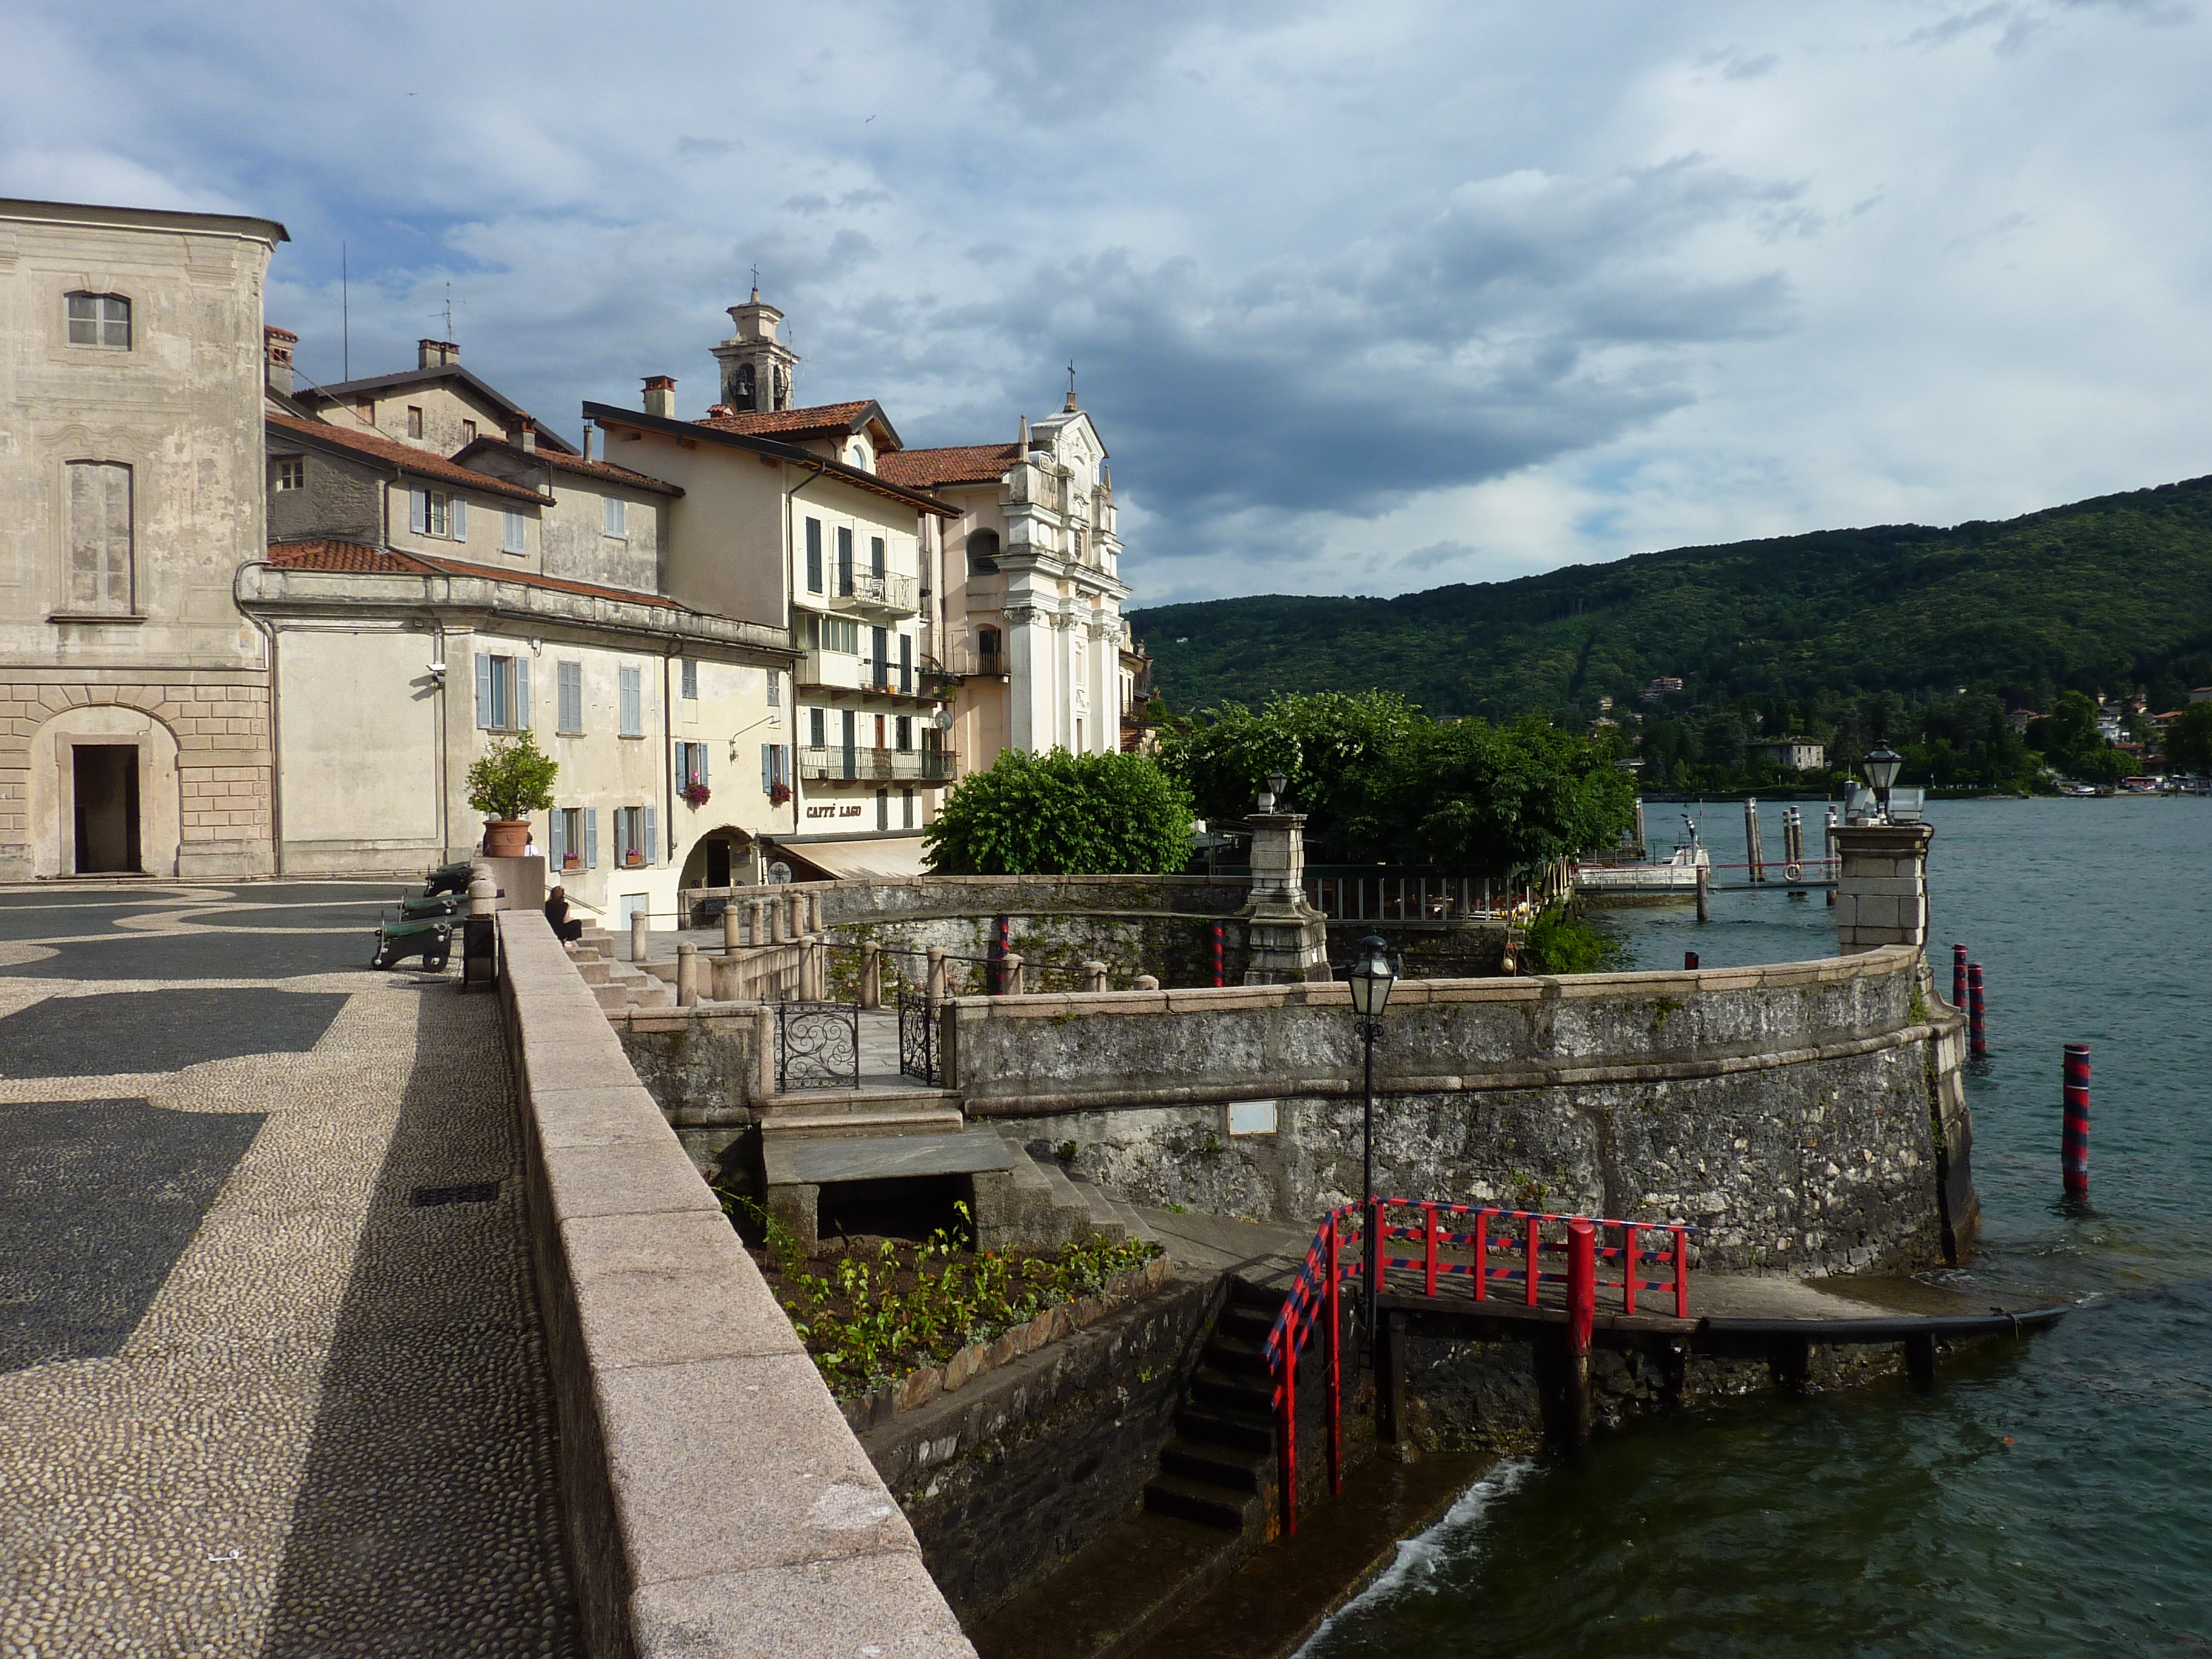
(778, 794)
(509, 781)
(694, 794)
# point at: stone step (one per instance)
(1103, 1221)
(1246, 1324)
(817, 1103)
(1202, 1502)
(1221, 1390)
(1218, 1427)
(1235, 1356)
(1132, 1223)
(594, 972)
(785, 1125)
(1074, 1202)
(1234, 1467)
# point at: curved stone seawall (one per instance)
(1805, 1117)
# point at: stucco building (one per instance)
(134, 716)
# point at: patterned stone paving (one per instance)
(254, 1399)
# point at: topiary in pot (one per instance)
(509, 781)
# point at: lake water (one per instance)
(2054, 1499)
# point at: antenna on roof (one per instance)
(449, 313)
(345, 317)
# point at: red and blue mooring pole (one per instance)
(1958, 976)
(2073, 1143)
(1220, 974)
(1978, 1030)
(1689, 962)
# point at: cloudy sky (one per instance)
(1365, 298)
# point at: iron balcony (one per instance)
(865, 765)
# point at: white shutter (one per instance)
(512, 540)
(483, 691)
(460, 519)
(522, 693)
(649, 843)
(591, 838)
(419, 511)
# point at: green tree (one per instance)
(511, 779)
(1063, 814)
(2189, 739)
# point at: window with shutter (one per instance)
(522, 693)
(616, 519)
(648, 842)
(483, 691)
(845, 559)
(875, 556)
(775, 688)
(568, 683)
(591, 838)
(633, 703)
(689, 671)
(767, 768)
(100, 537)
(419, 511)
(511, 538)
(557, 841)
(814, 556)
(460, 519)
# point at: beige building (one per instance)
(134, 723)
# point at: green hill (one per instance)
(2095, 596)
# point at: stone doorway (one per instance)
(107, 799)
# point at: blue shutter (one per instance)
(555, 846)
(419, 511)
(767, 768)
(702, 764)
(591, 838)
(460, 519)
(649, 843)
(483, 691)
(522, 693)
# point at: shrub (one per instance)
(1063, 814)
(512, 779)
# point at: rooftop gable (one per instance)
(390, 451)
(510, 413)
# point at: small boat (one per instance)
(1675, 879)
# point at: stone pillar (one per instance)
(1095, 972)
(871, 975)
(1287, 939)
(936, 977)
(728, 978)
(687, 974)
(1882, 887)
(754, 910)
(1009, 973)
(732, 937)
(794, 916)
(638, 949)
(814, 924)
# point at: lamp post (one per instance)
(1273, 793)
(1880, 766)
(1371, 977)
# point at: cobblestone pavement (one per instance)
(257, 1396)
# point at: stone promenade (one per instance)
(271, 1370)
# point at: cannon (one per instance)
(413, 907)
(447, 878)
(430, 937)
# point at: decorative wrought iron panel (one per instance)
(817, 1046)
(918, 1041)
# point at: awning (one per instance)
(888, 857)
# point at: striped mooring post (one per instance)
(2073, 1142)
(1219, 972)
(1978, 1030)
(1958, 976)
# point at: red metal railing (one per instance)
(1314, 1301)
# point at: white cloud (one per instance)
(1365, 298)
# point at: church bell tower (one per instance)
(756, 365)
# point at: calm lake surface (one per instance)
(2052, 1499)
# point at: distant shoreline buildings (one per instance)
(257, 626)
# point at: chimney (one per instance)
(525, 437)
(660, 396)
(1021, 444)
(276, 345)
(589, 433)
(716, 411)
(435, 354)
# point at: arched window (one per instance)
(742, 395)
(99, 319)
(983, 553)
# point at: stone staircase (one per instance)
(1219, 1468)
(826, 1113)
(615, 984)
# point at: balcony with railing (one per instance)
(834, 764)
(863, 591)
(841, 670)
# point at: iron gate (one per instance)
(918, 1040)
(818, 1045)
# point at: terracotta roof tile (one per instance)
(819, 421)
(924, 469)
(421, 462)
(328, 553)
(605, 470)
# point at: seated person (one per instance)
(557, 912)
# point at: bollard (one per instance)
(1689, 962)
(754, 910)
(687, 974)
(1978, 1030)
(1581, 1282)
(1095, 972)
(795, 925)
(1220, 976)
(1754, 853)
(814, 923)
(1146, 982)
(2074, 1140)
(1704, 894)
(936, 977)
(995, 959)
(726, 978)
(1958, 976)
(1009, 973)
(637, 947)
(731, 937)
(871, 975)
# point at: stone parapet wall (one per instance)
(717, 1503)
(1788, 1113)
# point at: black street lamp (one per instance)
(1371, 977)
(1273, 793)
(1880, 766)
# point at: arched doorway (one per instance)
(726, 857)
(104, 794)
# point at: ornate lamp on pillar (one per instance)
(1287, 939)
(1372, 978)
(1880, 766)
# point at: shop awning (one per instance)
(883, 858)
